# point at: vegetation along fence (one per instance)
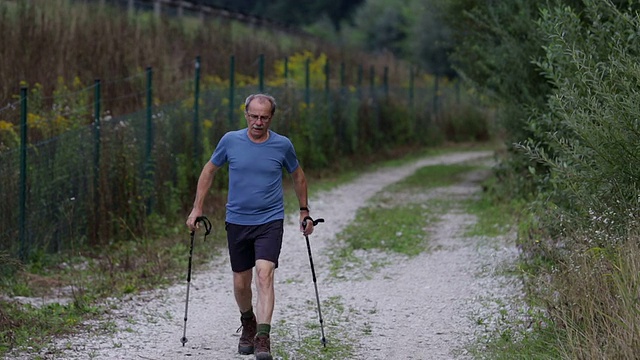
(73, 173)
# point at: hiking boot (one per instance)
(249, 330)
(263, 347)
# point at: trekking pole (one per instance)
(313, 272)
(207, 227)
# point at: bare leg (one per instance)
(242, 289)
(264, 283)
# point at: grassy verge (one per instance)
(514, 329)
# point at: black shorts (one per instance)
(248, 243)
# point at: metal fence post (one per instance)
(261, 73)
(360, 73)
(307, 83)
(232, 71)
(23, 174)
(411, 89)
(196, 115)
(342, 77)
(372, 80)
(96, 156)
(327, 76)
(96, 133)
(386, 82)
(286, 68)
(436, 88)
(148, 169)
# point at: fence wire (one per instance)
(103, 177)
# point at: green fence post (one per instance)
(327, 98)
(372, 80)
(411, 89)
(286, 68)
(261, 73)
(196, 115)
(327, 75)
(232, 71)
(386, 82)
(96, 134)
(23, 174)
(341, 109)
(307, 83)
(149, 117)
(360, 72)
(435, 94)
(148, 168)
(96, 156)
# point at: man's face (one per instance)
(258, 115)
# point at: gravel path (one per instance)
(419, 307)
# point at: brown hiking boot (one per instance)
(263, 347)
(249, 329)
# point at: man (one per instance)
(255, 213)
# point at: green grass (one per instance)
(506, 337)
(398, 229)
(395, 221)
(35, 325)
(493, 219)
(433, 176)
(304, 342)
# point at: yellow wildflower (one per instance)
(5, 125)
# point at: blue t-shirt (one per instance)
(255, 175)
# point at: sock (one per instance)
(264, 329)
(247, 314)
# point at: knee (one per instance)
(265, 276)
(242, 281)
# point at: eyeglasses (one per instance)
(254, 117)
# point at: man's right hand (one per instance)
(191, 220)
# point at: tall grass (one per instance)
(591, 297)
(44, 40)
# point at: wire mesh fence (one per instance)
(73, 174)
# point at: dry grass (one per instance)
(593, 296)
(47, 40)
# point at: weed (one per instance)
(28, 324)
(493, 218)
(292, 341)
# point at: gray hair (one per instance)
(262, 97)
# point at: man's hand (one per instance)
(306, 226)
(191, 220)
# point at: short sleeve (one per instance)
(220, 157)
(290, 158)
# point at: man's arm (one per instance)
(300, 187)
(204, 183)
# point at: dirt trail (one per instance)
(413, 308)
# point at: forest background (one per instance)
(561, 75)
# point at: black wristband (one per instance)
(304, 208)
